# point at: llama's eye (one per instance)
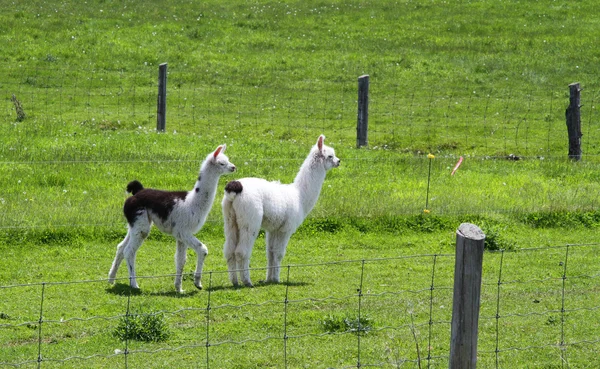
(330, 157)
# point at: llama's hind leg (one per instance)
(137, 235)
(276, 246)
(229, 253)
(243, 251)
(112, 274)
(231, 240)
(180, 258)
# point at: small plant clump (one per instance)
(142, 327)
(333, 324)
(18, 108)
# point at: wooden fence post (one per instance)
(362, 124)
(573, 115)
(161, 104)
(468, 266)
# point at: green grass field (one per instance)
(477, 79)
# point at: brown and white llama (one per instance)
(178, 213)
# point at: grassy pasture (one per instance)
(477, 79)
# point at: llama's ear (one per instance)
(218, 151)
(320, 142)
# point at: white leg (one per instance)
(201, 252)
(134, 244)
(243, 252)
(231, 241)
(229, 253)
(276, 246)
(137, 234)
(180, 258)
(112, 274)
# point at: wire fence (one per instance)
(96, 123)
(538, 308)
(534, 309)
(468, 118)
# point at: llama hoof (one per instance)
(248, 284)
(198, 286)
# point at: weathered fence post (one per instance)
(467, 291)
(573, 115)
(161, 104)
(362, 124)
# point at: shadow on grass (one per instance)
(176, 294)
(123, 289)
(257, 285)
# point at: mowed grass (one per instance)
(479, 79)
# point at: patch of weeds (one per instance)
(360, 224)
(18, 108)
(552, 320)
(57, 237)
(557, 219)
(428, 223)
(338, 324)
(494, 238)
(318, 225)
(49, 237)
(109, 125)
(286, 135)
(142, 327)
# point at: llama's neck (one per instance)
(309, 181)
(205, 189)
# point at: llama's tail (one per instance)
(134, 187)
(230, 219)
(232, 189)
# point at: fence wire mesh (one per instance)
(536, 308)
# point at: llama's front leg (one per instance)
(180, 258)
(112, 274)
(201, 252)
(276, 246)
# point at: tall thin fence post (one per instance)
(573, 116)
(362, 124)
(161, 104)
(468, 267)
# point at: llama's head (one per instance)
(325, 154)
(218, 161)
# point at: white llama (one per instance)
(250, 204)
(180, 214)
